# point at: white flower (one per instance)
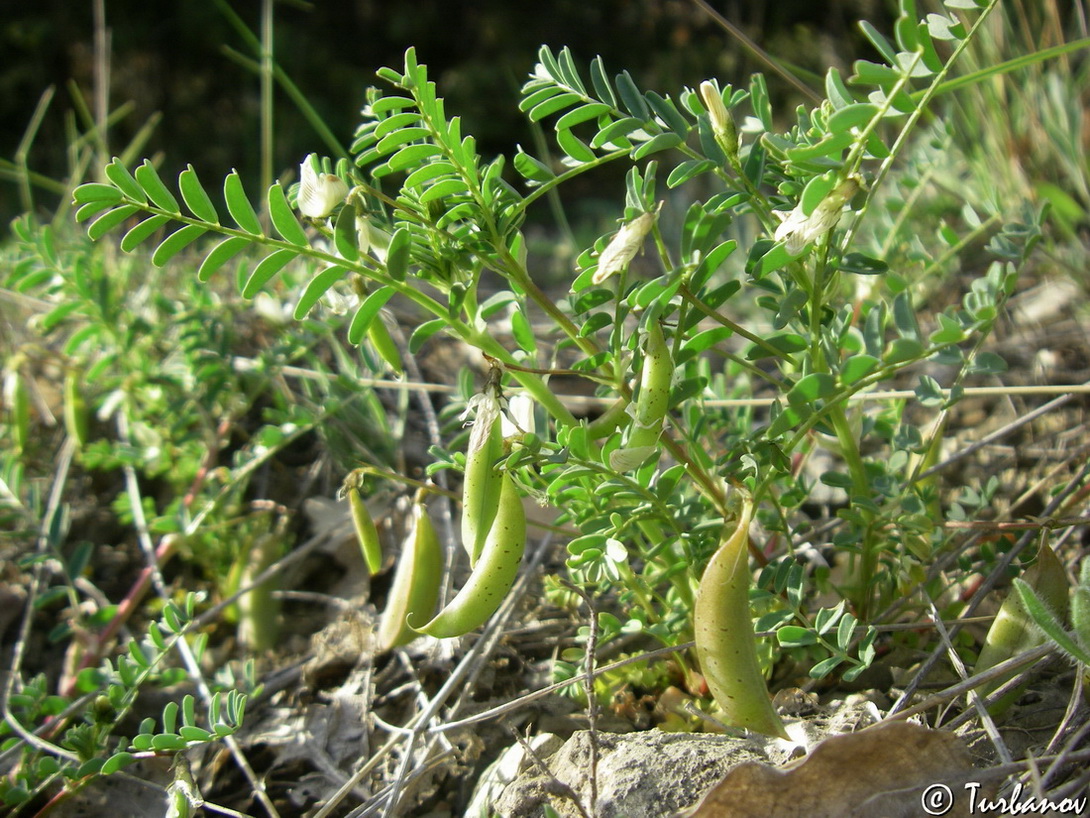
(799, 230)
(319, 193)
(623, 247)
(516, 415)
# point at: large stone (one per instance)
(640, 775)
(654, 774)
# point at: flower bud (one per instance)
(319, 193)
(726, 135)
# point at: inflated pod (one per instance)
(415, 589)
(494, 573)
(481, 488)
(725, 643)
(652, 403)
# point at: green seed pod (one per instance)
(75, 408)
(614, 418)
(1013, 630)
(366, 533)
(415, 588)
(494, 573)
(17, 399)
(652, 402)
(481, 489)
(725, 643)
(259, 608)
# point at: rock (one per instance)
(505, 769)
(640, 775)
(654, 774)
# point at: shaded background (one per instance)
(171, 58)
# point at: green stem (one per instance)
(529, 381)
(921, 105)
(719, 318)
(563, 177)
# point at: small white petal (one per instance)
(319, 193)
(519, 417)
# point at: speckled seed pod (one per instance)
(494, 574)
